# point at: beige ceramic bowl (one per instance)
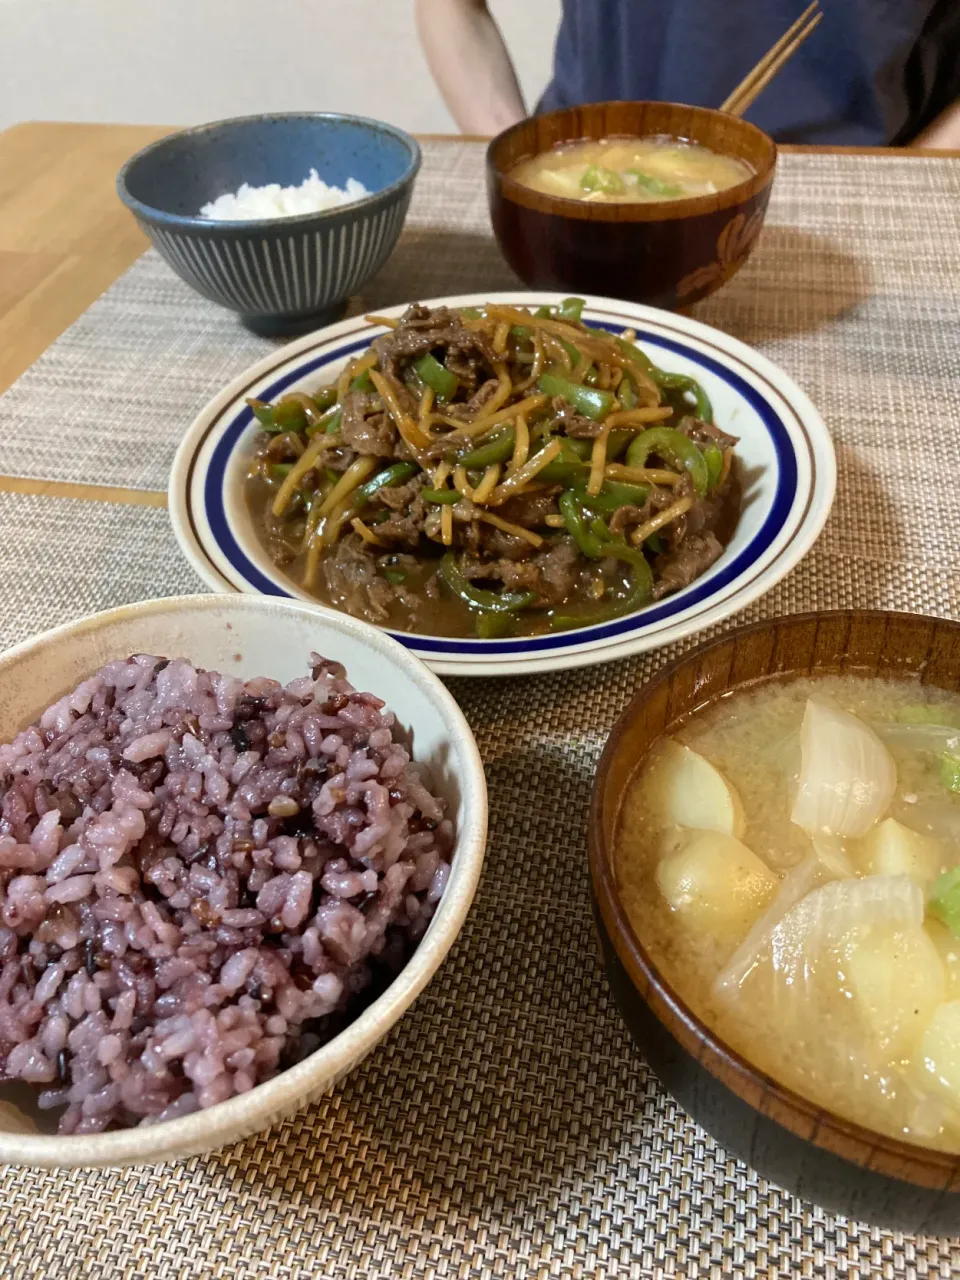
(249, 636)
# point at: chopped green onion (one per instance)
(950, 771)
(597, 178)
(654, 185)
(944, 900)
(928, 713)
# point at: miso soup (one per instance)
(631, 169)
(789, 858)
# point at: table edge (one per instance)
(788, 148)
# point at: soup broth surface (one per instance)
(636, 170)
(851, 1007)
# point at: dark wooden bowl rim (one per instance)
(627, 211)
(799, 1114)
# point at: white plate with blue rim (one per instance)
(785, 455)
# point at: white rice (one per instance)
(274, 201)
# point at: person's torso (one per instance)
(873, 72)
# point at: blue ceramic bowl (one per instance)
(282, 275)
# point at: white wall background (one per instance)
(186, 61)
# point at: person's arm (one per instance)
(944, 133)
(470, 64)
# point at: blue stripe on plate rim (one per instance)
(784, 495)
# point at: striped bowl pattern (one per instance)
(278, 273)
(284, 272)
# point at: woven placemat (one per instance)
(507, 1127)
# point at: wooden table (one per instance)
(64, 235)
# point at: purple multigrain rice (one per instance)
(201, 879)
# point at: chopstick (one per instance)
(757, 80)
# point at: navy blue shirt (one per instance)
(874, 72)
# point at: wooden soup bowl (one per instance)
(668, 253)
(789, 1140)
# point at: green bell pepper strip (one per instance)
(280, 470)
(446, 497)
(576, 448)
(668, 381)
(588, 544)
(471, 313)
(654, 544)
(543, 313)
(522, 333)
(597, 178)
(950, 771)
(437, 376)
(263, 413)
(362, 382)
(586, 400)
(612, 496)
(654, 185)
(680, 382)
(570, 349)
(568, 465)
(289, 415)
(326, 398)
(713, 457)
(571, 309)
(328, 424)
(498, 449)
(394, 576)
(635, 599)
(617, 442)
(493, 626)
(477, 597)
(944, 902)
(627, 393)
(389, 476)
(673, 447)
(596, 542)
